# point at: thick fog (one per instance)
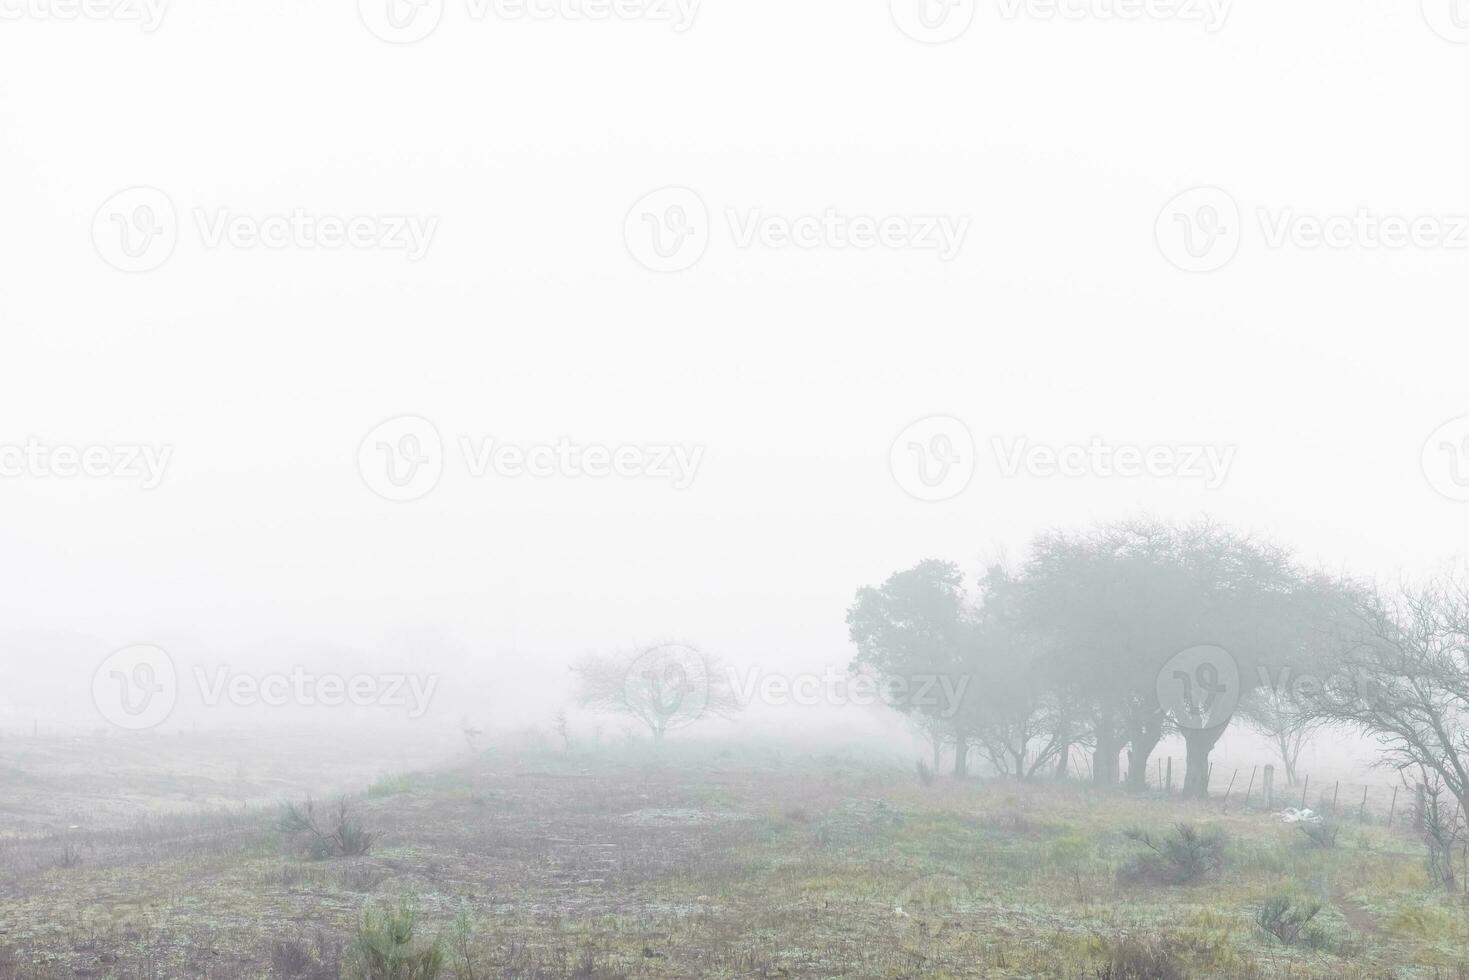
(1039, 300)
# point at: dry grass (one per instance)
(734, 861)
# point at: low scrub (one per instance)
(1185, 854)
(336, 835)
(1320, 836)
(1142, 959)
(386, 947)
(1286, 918)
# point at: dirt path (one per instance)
(1357, 917)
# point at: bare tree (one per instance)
(1289, 724)
(665, 686)
(563, 729)
(1405, 681)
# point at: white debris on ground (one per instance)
(1292, 815)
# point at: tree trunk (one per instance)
(1139, 752)
(1104, 760)
(961, 757)
(1063, 762)
(1200, 744)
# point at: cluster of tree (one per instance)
(1107, 641)
(1078, 647)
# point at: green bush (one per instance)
(1286, 918)
(1185, 854)
(384, 948)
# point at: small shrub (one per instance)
(342, 836)
(295, 960)
(1285, 918)
(464, 947)
(1321, 836)
(384, 948)
(1138, 959)
(1186, 854)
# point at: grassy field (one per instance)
(709, 861)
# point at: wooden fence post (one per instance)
(1246, 803)
(1170, 774)
(1362, 810)
(1270, 787)
(1304, 788)
(1231, 786)
(1394, 808)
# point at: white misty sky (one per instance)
(528, 320)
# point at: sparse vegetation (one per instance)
(1320, 835)
(1286, 918)
(387, 946)
(1185, 854)
(339, 836)
(1132, 958)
